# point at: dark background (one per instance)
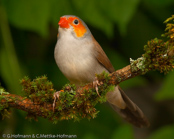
(28, 34)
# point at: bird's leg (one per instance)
(56, 96)
(95, 85)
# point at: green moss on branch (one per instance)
(159, 54)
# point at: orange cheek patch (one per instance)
(79, 29)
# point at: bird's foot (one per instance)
(56, 96)
(95, 85)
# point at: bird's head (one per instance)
(73, 25)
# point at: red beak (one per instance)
(63, 23)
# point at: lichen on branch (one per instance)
(159, 54)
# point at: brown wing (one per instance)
(102, 57)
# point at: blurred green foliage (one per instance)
(165, 92)
(164, 132)
(28, 31)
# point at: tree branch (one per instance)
(35, 107)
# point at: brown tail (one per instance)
(126, 108)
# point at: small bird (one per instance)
(79, 57)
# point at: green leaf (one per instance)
(9, 72)
(119, 11)
(103, 14)
(166, 92)
(30, 15)
(162, 133)
(36, 15)
(9, 68)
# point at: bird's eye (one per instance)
(76, 22)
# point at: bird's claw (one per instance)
(95, 85)
(56, 96)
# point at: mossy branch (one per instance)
(76, 103)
